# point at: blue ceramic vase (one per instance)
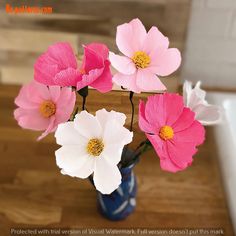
(120, 203)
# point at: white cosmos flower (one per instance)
(195, 99)
(93, 144)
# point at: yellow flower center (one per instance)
(95, 147)
(47, 108)
(141, 59)
(166, 132)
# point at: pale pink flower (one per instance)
(42, 108)
(172, 130)
(146, 56)
(195, 99)
(58, 66)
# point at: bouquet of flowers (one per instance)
(95, 146)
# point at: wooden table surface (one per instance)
(34, 194)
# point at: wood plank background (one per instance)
(23, 37)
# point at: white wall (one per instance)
(210, 53)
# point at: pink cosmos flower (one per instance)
(172, 130)
(43, 108)
(146, 56)
(58, 66)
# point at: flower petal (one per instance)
(107, 177)
(31, 119)
(104, 82)
(184, 121)
(147, 81)
(143, 123)
(105, 116)
(187, 89)
(99, 48)
(65, 106)
(158, 145)
(174, 106)
(167, 165)
(114, 133)
(89, 78)
(193, 134)
(55, 92)
(208, 114)
(85, 170)
(127, 81)
(130, 37)
(67, 77)
(155, 40)
(181, 153)
(66, 134)
(167, 62)
(87, 125)
(112, 153)
(155, 111)
(50, 129)
(23, 99)
(161, 150)
(123, 64)
(63, 54)
(71, 158)
(38, 92)
(58, 57)
(92, 60)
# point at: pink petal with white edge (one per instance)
(130, 37)
(166, 62)
(107, 177)
(89, 78)
(58, 57)
(147, 81)
(123, 64)
(143, 123)
(155, 40)
(68, 77)
(104, 82)
(127, 81)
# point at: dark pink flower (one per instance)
(172, 130)
(58, 66)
